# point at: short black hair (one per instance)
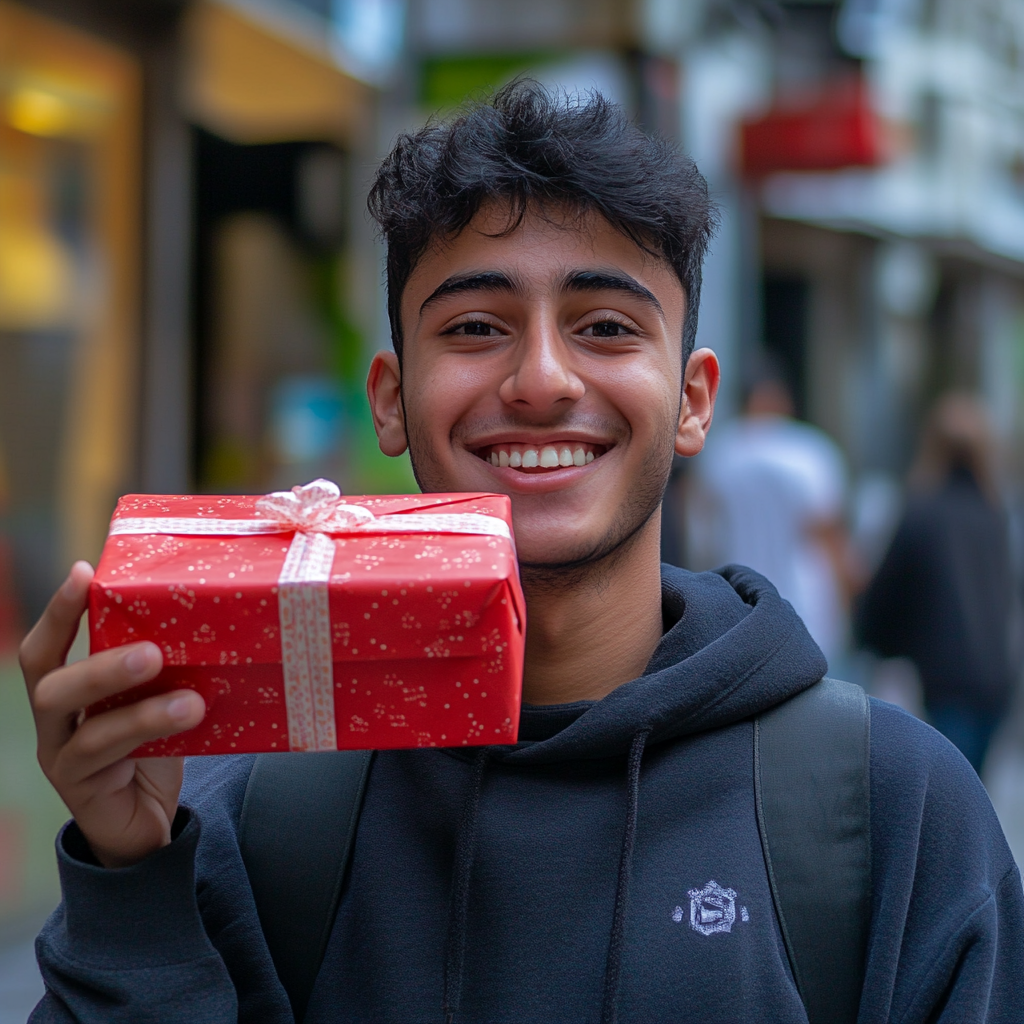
(531, 149)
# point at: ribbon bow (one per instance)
(314, 508)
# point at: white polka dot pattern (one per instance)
(407, 638)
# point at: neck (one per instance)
(599, 631)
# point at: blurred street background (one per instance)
(190, 290)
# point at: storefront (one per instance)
(70, 182)
(69, 294)
(186, 298)
(176, 261)
(285, 279)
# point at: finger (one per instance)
(47, 645)
(61, 694)
(125, 811)
(160, 779)
(108, 738)
(70, 687)
(156, 778)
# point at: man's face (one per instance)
(545, 364)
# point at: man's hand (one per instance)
(124, 807)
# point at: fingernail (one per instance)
(138, 661)
(180, 708)
(69, 587)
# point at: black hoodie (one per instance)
(560, 879)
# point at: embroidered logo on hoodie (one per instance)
(712, 909)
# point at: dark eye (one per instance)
(608, 329)
(474, 328)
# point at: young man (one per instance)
(543, 274)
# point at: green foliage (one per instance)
(344, 339)
(30, 810)
(371, 471)
(447, 82)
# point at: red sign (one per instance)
(833, 129)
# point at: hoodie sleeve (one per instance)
(978, 975)
(947, 934)
(173, 939)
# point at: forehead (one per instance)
(539, 252)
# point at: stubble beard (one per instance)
(587, 566)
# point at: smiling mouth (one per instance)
(532, 458)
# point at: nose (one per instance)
(543, 375)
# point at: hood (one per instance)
(732, 648)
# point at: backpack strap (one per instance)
(298, 823)
(813, 802)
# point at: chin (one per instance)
(546, 556)
(578, 552)
(558, 536)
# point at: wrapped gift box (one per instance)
(310, 622)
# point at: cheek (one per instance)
(440, 394)
(643, 393)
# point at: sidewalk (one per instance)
(21, 987)
(1004, 778)
(30, 815)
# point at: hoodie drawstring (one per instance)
(613, 969)
(455, 944)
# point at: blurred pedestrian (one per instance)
(943, 595)
(773, 494)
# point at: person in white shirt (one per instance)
(771, 494)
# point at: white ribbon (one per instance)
(306, 660)
(312, 511)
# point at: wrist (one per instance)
(133, 917)
(89, 850)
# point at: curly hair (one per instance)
(533, 150)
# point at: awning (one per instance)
(828, 129)
(257, 72)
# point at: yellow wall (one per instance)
(249, 81)
(58, 83)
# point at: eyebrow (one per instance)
(600, 281)
(488, 281)
(574, 281)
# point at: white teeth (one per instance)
(547, 457)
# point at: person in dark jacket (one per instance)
(543, 277)
(943, 595)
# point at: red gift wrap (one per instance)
(363, 622)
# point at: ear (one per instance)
(700, 389)
(384, 390)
